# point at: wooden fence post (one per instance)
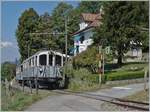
(23, 85)
(36, 85)
(30, 86)
(145, 80)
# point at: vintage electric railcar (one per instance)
(44, 66)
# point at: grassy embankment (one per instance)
(141, 96)
(16, 100)
(82, 79)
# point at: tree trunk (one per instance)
(120, 54)
(119, 59)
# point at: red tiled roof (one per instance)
(93, 19)
(90, 17)
(95, 23)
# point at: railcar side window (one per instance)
(32, 61)
(42, 59)
(58, 60)
(36, 61)
(50, 59)
(21, 68)
(29, 62)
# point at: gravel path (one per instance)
(77, 103)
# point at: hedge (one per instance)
(125, 75)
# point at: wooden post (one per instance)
(36, 85)
(30, 86)
(6, 87)
(23, 85)
(145, 80)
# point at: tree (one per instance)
(44, 40)
(61, 13)
(8, 70)
(28, 22)
(122, 23)
(90, 6)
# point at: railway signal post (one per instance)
(100, 64)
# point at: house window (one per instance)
(77, 49)
(135, 52)
(82, 39)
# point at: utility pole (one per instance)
(103, 62)
(28, 50)
(66, 38)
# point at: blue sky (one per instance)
(10, 12)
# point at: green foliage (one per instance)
(87, 59)
(90, 6)
(121, 24)
(81, 79)
(27, 24)
(61, 13)
(44, 41)
(8, 70)
(123, 75)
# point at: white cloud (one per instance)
(6, 44)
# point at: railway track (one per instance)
(121, 102)
(118, 101)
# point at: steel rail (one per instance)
(117, 101)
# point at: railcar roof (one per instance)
(45, 51)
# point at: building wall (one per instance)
(135, 52)
(88, 34)
(83, 25)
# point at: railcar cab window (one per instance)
(42, 59)
(58, 60)
(50, 59)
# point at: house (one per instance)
(83, 37)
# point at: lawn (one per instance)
(126, 71)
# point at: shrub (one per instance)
(8, 70)
(87, 59)
(81, 79)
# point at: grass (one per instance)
(16, 100)
(126, 66)
(142, 96)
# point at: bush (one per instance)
(8, 70)
(81, 79)
(125, 75)
(87, 59)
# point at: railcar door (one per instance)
(42, 63)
